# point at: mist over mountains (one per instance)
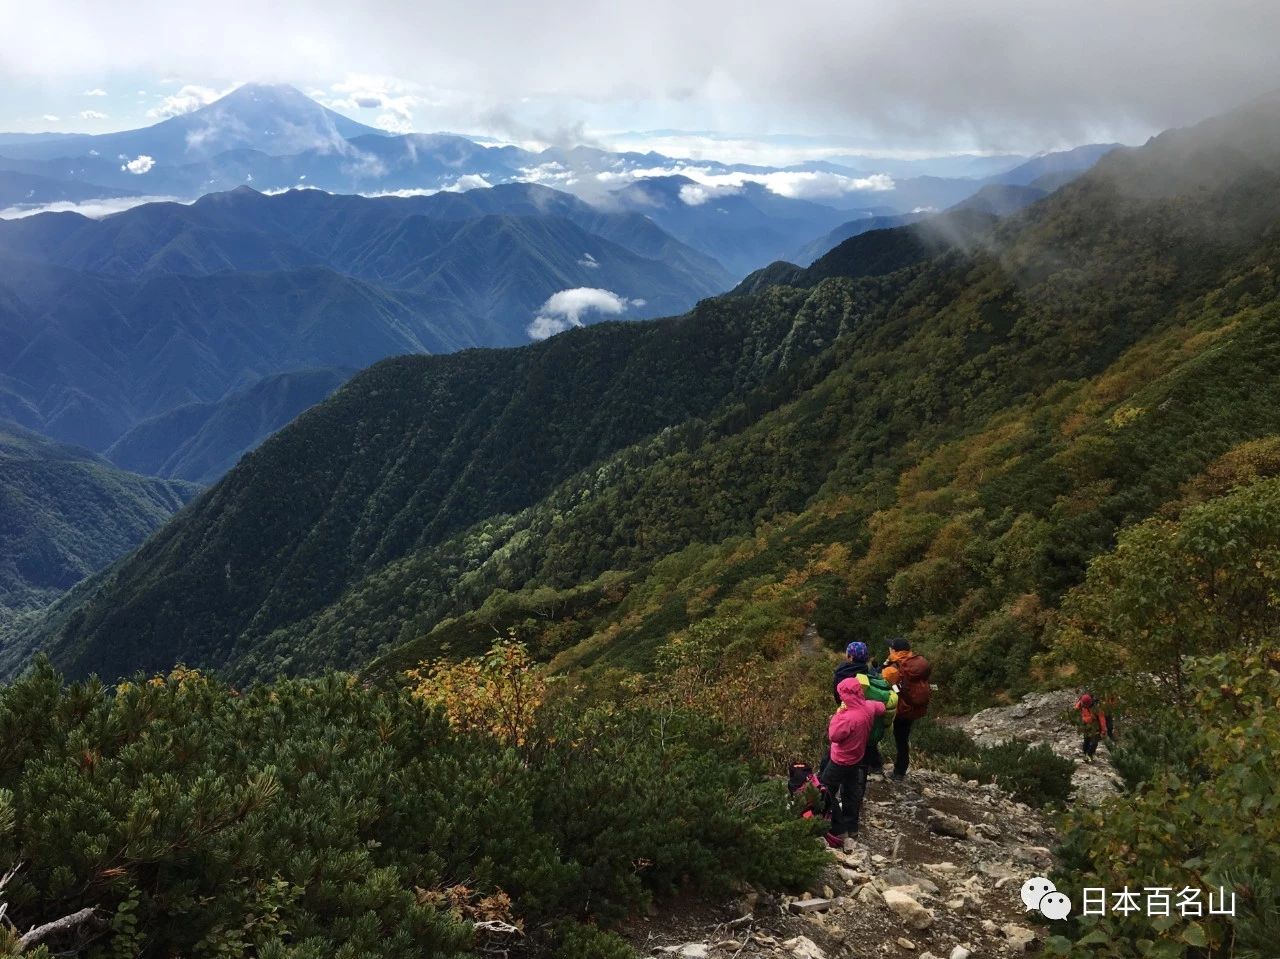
(272, 137)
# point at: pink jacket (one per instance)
(850, 726)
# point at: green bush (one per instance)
(1035, 774)
(1156, 741)
(934, 739)
(325, 818)
(589, 942)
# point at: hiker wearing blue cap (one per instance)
(856, 665)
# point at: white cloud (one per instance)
(394, 123)
(696, 194)
(51, 118)
(797, 184)
(367, 91)
(1003, 73)
(92, 115)
(408, 191)
(468, 181)
(566, 309)
(95, 92)
(139, 165)
(89, 208)
(552, 173)
(189, 98)
(589, 261)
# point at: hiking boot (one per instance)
(898, 777)
(834, 841)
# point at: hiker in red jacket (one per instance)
(845, 776)
(1093, 722)
(909, 674)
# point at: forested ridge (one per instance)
(65, 512)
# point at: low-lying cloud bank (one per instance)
(710, 182)
(89, 208)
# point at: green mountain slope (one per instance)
(65, 513)
(755, 466)
(418, 448)
(201, 441)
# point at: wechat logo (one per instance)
(1039, 893)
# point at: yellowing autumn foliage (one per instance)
(497, 693)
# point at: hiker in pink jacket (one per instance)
(846, 775)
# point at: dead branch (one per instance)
(38, 934)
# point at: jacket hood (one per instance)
(850, 692)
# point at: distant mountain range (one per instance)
(272, 138)
(108, 323)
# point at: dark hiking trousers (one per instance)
(902, 736)
(874, 761)
(846, 785)
(1091, 745)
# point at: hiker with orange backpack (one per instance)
(908, 672)
(1094, 723)
(845, 775)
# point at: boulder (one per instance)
(869, 895)
(947, 825)
(1020, 937)
(908, 909)
(960, 952)
(802, 947)
(896, 876)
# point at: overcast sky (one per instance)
(907, 76)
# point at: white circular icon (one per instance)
(1035, 889)
(1055, 905)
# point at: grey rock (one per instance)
(1020, 937)
(897, 876)
(800, 906)
(802, 947)
(947, 825)
(908, 909)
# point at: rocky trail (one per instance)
(1038, 719)
(937, 872)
